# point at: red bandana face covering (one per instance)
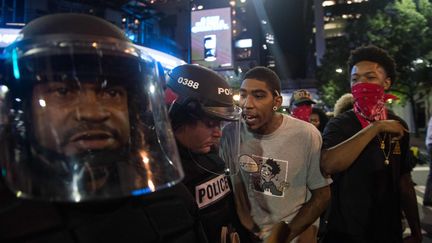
(302, 112)
(369, 102)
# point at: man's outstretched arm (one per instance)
(338, 158)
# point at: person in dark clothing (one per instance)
(366, 151)
(82, 157)
(199, 111)
(318, 118)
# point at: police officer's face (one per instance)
(70, 118)
(199, 137)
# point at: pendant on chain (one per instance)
(382, 146)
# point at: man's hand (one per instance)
(279, 233)
(391, 126)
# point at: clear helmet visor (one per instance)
(84, 120)
(229, 147)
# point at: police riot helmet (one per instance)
(203, 90)
(82, 114)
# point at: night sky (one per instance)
(291, 22)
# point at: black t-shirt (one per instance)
(166, 216)
(204, 176)
(366, 197)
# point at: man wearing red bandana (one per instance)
(302, 104)
(365, 150)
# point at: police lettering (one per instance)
(211, 191)
(224, 91)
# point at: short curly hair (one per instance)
(373, 54)
(267, 76)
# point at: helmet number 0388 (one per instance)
(188, 82)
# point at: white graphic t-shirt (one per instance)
(278, 170)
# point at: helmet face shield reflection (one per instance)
(229, 148)
(84, 120)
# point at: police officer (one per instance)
(203, 104)
(82, 159)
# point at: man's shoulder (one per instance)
(344, 123)
(292, 122)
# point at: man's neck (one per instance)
(272, 125)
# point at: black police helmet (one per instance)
(201, 87)
(69, 24)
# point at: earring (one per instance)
(275, 108)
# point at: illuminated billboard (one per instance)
(7, 36)
(211, 40)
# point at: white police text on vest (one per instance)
(211, 191)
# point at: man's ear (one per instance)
(278, 101)
(387, 83)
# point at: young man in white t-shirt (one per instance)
(280, 190)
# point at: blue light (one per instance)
(141, 191)
(16, 71)
(131, 36)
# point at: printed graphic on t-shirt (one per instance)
(211, 191)
(270, 175)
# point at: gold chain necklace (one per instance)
(382, 147)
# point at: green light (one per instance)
(16, 71)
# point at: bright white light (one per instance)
(236, 97)
(264, 46)
(339, 70)
(328, 3)
(17, 99)
(152, 88)
(418, 61)
(243, 43)
(242, 1)
(151, 185)
(15, 24)
(7, 36)
(263, 22)
(42, 103)
(209, 23)
(4, 88)
(200, 7)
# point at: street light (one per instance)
(339, 70)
